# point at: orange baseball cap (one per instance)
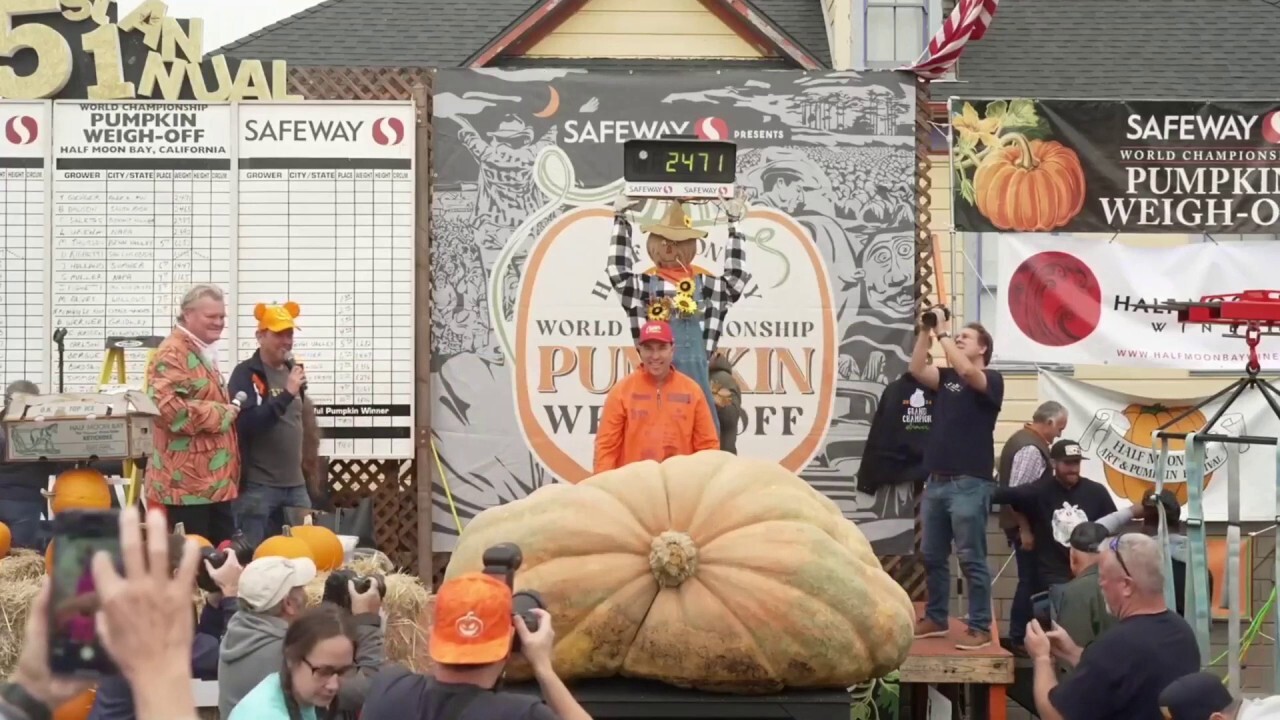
(276, 318)
(473, 623)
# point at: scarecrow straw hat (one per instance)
(675, 226)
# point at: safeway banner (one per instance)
(1024, 165)
(1114, 431)
(1077, 301)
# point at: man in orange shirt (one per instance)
(656, 412)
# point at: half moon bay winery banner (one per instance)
(1023, 165)
(1114, 431)
(1084, 301)
(529, 336)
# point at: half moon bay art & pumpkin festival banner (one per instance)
(1070, 300)
(1114, 431)
(1023, 165)
(529, 336)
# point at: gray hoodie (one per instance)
(253, 648)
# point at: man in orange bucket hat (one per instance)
(471, 640)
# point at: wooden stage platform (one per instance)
(937, 661)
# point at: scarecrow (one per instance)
(692, 300)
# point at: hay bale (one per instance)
(20, 575)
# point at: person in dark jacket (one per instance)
(279, 438)
(728, 397)
(895, 443)
(114, 698)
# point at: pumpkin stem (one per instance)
(1027, 161)
(179, 528)
(673, 558)
(286, 531)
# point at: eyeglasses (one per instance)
(325, 672)
(1115, 548)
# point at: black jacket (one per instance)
(895, 444)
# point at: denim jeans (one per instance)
(956, 508)
(1020, 610)
(23, 519)
(260, 509)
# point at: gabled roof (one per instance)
(448, 33)
(1124, 49)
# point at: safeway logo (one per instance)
(711, 128)
(388, 131)
(21, 130)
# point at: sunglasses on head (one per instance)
(1115, 548)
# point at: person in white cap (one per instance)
(272, 593)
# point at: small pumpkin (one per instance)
(326, 548)
(709, 571)
(78, 707)
(6, 540)
(200, 540)
(1035, 186)
(284, 545)
(81, 488)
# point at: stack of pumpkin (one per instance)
(407, 604)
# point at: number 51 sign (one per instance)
(76, 49)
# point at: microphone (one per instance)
(239, 398)
(290, 362)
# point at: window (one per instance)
(895, 32)
(1226, 238)
(979, 265)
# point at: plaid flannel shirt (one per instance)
(636, 290)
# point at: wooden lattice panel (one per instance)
(392, 484)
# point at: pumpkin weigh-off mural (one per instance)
(707, 571)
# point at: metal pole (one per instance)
(1232, 591)
(1197, 608)
(1162, 529)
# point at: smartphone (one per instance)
(74, 648)
(1042, 610)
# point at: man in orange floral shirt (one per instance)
(195, 469)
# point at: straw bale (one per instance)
(20, 575)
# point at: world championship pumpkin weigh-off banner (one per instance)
(529, 335)
(1024, 165)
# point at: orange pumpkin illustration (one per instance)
(1144, 420)
(1034, 186)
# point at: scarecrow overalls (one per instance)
(693, 301)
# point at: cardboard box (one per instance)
(74, 426)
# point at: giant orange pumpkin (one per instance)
(1144, 420)
(284, 545)
(709, 571)
(81, 488)
(78, 707)
(326, 548)
(6, 540)
(1034, 186)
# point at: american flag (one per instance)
(968, 21)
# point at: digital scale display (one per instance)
(679, 168)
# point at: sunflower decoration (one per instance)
(685, 304)
(660, 309)
(685, 287)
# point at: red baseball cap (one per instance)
(656, 331)
(473, 623)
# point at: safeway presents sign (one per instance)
(1114, 431)
(1076, 301)
(1025, 165)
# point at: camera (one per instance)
(237, 544)
(502, 561)
(928, 319)
(336, 591)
